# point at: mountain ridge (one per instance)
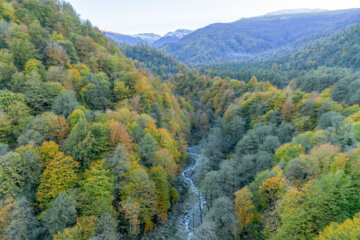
(247, 38)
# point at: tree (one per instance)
(211, 187)
(19, 174)
(141, 189)
(55, 55)
(65, 104)
(248, 144)
(305, 213)
(333, 197)
(298, 170)
(147, 149)
(121, 91)
(158, 175)
(96, 191)
(166, 160)
(23, 225)
(34, 65)
(84, 228)
(80, 143)
(331, 120)
(287, 152)
(4, 148)
(206, 231)
(244, 208)
(94, 97)
(31, 137)
(22, 50)
(270, 144)
(59, 128)
(270, 191)
(288, 110)
(75, 117)
(61, 214)
(120, 135)
(6, 209)
(106, 228)
(60, 173)
(131, 209)
(294, 217)
(214, 147)
(350, 229)
(221, 214)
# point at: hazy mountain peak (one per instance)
(179, 33)
(295, 11)
(148, 37)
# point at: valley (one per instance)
(241, 130)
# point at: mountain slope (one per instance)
(251, 37)
(338, 51)
(171, 37)
(90, 146)
(159, 63)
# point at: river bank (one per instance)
(186, 213)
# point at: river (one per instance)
(192, 216)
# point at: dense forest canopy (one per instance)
(90, 145)
(92, 142)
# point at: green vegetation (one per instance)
(159, 63)
(91, 145)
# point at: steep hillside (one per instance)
(312, 65)
(276, 161)
(90, 146)
(171, 37)
(251, 37)
(159, 63)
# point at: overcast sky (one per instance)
(162, 16)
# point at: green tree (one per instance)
(147, 149)
(61, 214)
(141, 189)
(106, 228)
(22, 50)
(65, 104)
(23, 225)
(96, 191)
(80, 143)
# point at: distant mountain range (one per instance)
(246, 38)
(149, 39)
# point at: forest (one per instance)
(92, 142)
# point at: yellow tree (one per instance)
(159, 177)
(270, 191)
(59, 174)
(244, 208)
(131, 209)
(349, 230)
(84, 228)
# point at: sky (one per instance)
(163, 16)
